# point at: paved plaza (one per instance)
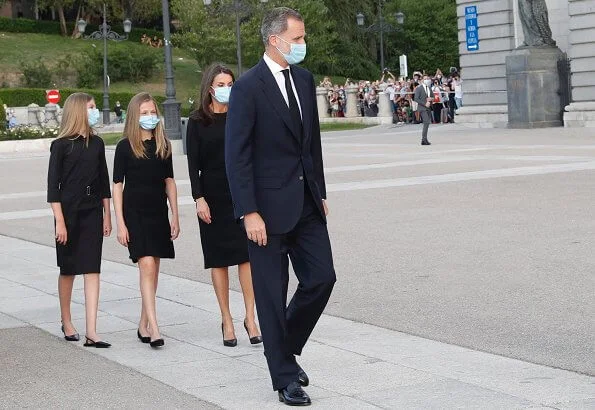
(465, 280)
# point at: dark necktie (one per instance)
(294, 109)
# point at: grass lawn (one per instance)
(17, 47)
(345, 126)
(112, 138)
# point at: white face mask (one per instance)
(428, 82)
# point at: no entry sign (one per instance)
(53, 96)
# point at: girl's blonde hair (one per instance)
(132, 129)
(74, 116)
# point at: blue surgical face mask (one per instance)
(297, 52)
(148, 122)
(222, 94)
(93, 116)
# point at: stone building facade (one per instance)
(500, 31)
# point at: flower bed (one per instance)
(25, 132)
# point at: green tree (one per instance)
(429, 36)
(202, 32)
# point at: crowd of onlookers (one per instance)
(447, 90)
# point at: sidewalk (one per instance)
(351, 365)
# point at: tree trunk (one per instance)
(63, 27)
(75, 31)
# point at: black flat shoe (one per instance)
(71, 338)
(99, 344)
(294, 395)
(156, 343)
(303, 377)
(228, 342)
(253, 340)
(144, 339)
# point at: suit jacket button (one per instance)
(301, 178)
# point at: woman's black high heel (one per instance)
(99, 344)
(228, 342)
(253, 340)
(144, 339)
(71, 338)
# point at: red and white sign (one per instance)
(53, 96)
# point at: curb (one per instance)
(37, 145)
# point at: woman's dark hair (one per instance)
(204, 114)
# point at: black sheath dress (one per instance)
(78, 179)
(145, 200)
(223, 241)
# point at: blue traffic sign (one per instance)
(471, 28)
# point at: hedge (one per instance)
(22, 97)
(19, 25)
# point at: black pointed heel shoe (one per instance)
(99, 344)
(71, 338)
(144, 339)
(228, 342)
(156, 343)
(253, 340)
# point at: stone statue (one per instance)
(536, 27)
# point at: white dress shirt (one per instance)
(280, 78)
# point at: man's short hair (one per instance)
(275, 22)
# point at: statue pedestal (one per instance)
(533, 85)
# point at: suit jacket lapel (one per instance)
(272, 92)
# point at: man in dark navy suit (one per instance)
(273, 158)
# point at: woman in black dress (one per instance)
(224, 244)
(78, 191)
(143, 162)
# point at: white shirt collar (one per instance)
(273, 66)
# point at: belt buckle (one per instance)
(88, 190)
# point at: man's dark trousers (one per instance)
(426, 117)
(286, 329)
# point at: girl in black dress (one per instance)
(143, 162)
(78, 191)
(223, 242)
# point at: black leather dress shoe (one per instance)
(426, 143)
(294, 395)
(303, 377)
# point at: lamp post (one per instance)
(105, 33)
(240, 9)
(171, 108)
(381, 26)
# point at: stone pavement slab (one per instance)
(481, 240)
(350, 364)
(41, 371)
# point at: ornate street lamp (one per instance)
(105, 33)
(171, 108)
(381, 26)
(240, 9)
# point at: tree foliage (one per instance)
(429, 36)
(336, 45)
